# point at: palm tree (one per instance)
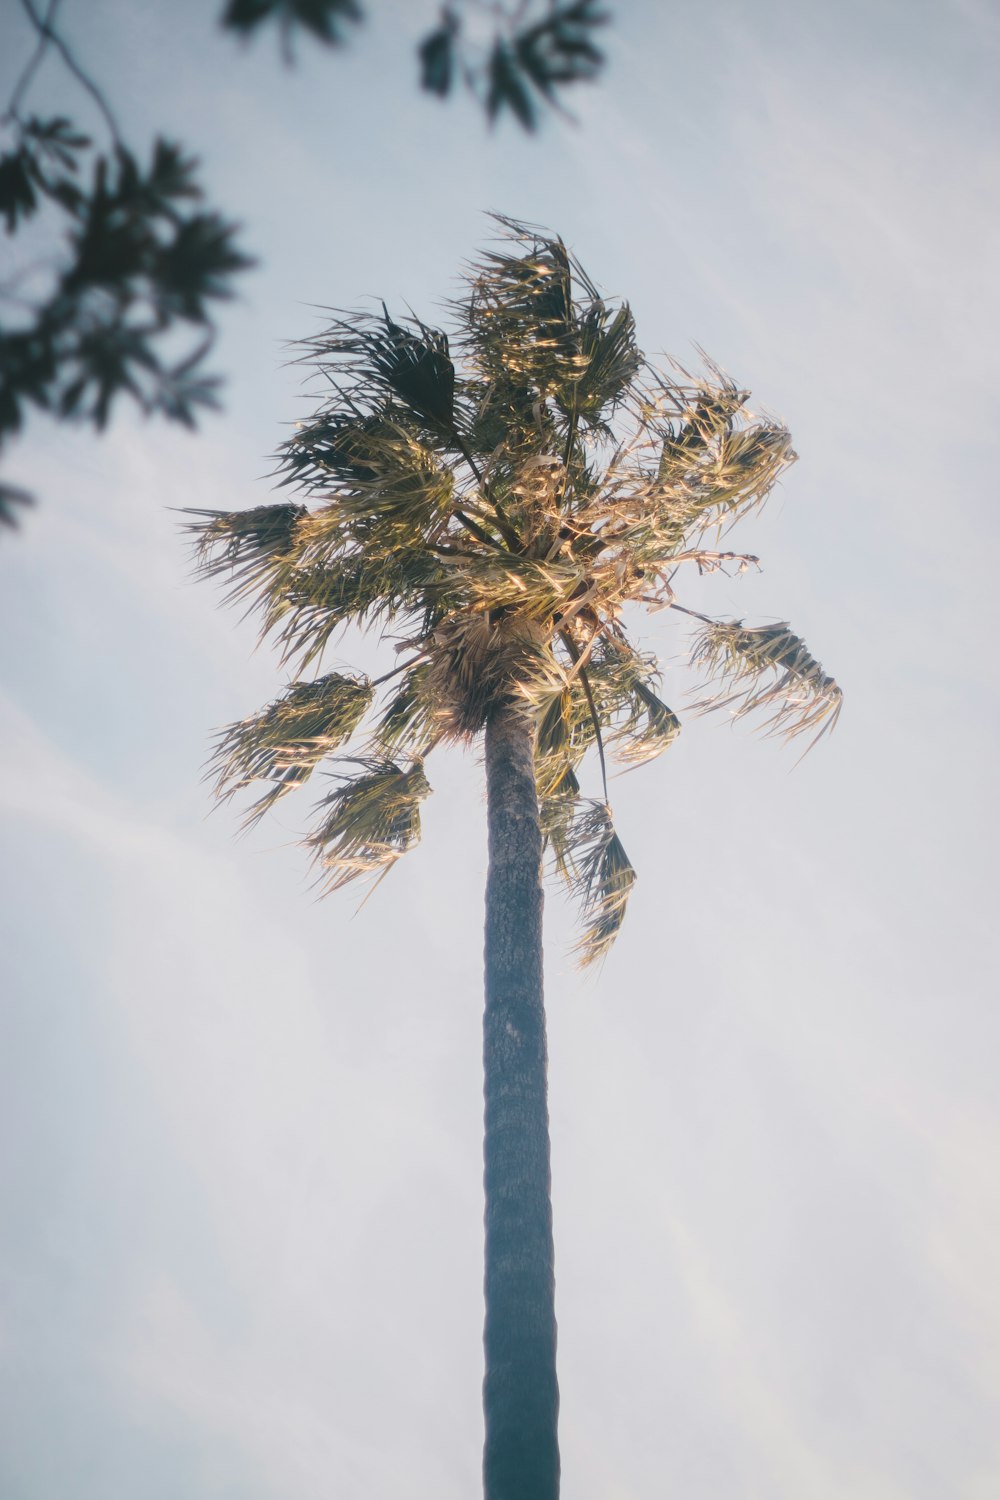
(496, 505)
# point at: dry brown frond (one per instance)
(475, 664)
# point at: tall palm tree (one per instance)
(496, 505)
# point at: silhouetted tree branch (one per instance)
(143, 258)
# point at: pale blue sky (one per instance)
(240, 1250)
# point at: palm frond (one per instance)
(564, 732)
(520, 315)
(651, 728)
(529, 329)
(285, 741)
(337, 445)
(416, 365)
(795, 691)
(557, 807)
(610, 361)
(368, 822)
(409, 363)
(308, 605)
(244, 546)
(600, 876)
(405, 723)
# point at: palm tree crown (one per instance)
(491, 502)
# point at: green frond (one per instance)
(610, 361)
(715, 459)
(599, 874)
(368, 822)
(563, 734)
(337, 446)
(705, 414)
(520, 315)
(409, 363)
(748, 464)
(308, 605)
(553, 734)
(531, 587)
(529, 332)
(405, 722)
(285, 741)
(244, 546)
(795, 691)
(557, 806)
(417, 368)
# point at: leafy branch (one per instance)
(141, 259)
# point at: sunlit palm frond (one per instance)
(770, 668)
(651, 728)
(609, 361)
(519, 317)
(565, 731)
(366, 587)
(367, 822)
(285, 741)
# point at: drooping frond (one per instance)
(311, 603)
(367, 822)
(285, 741)
(651, 728)
(405, 724)
(566, 728)
(599, 875)
(770, 668)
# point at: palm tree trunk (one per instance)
(520, 1391)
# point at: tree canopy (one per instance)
(495, 501)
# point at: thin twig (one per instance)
(46, 30)
(24, 82)
(387, 676)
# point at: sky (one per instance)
(241, 1228)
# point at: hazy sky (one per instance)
(241, 1245)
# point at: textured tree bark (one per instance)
(520, 1391)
